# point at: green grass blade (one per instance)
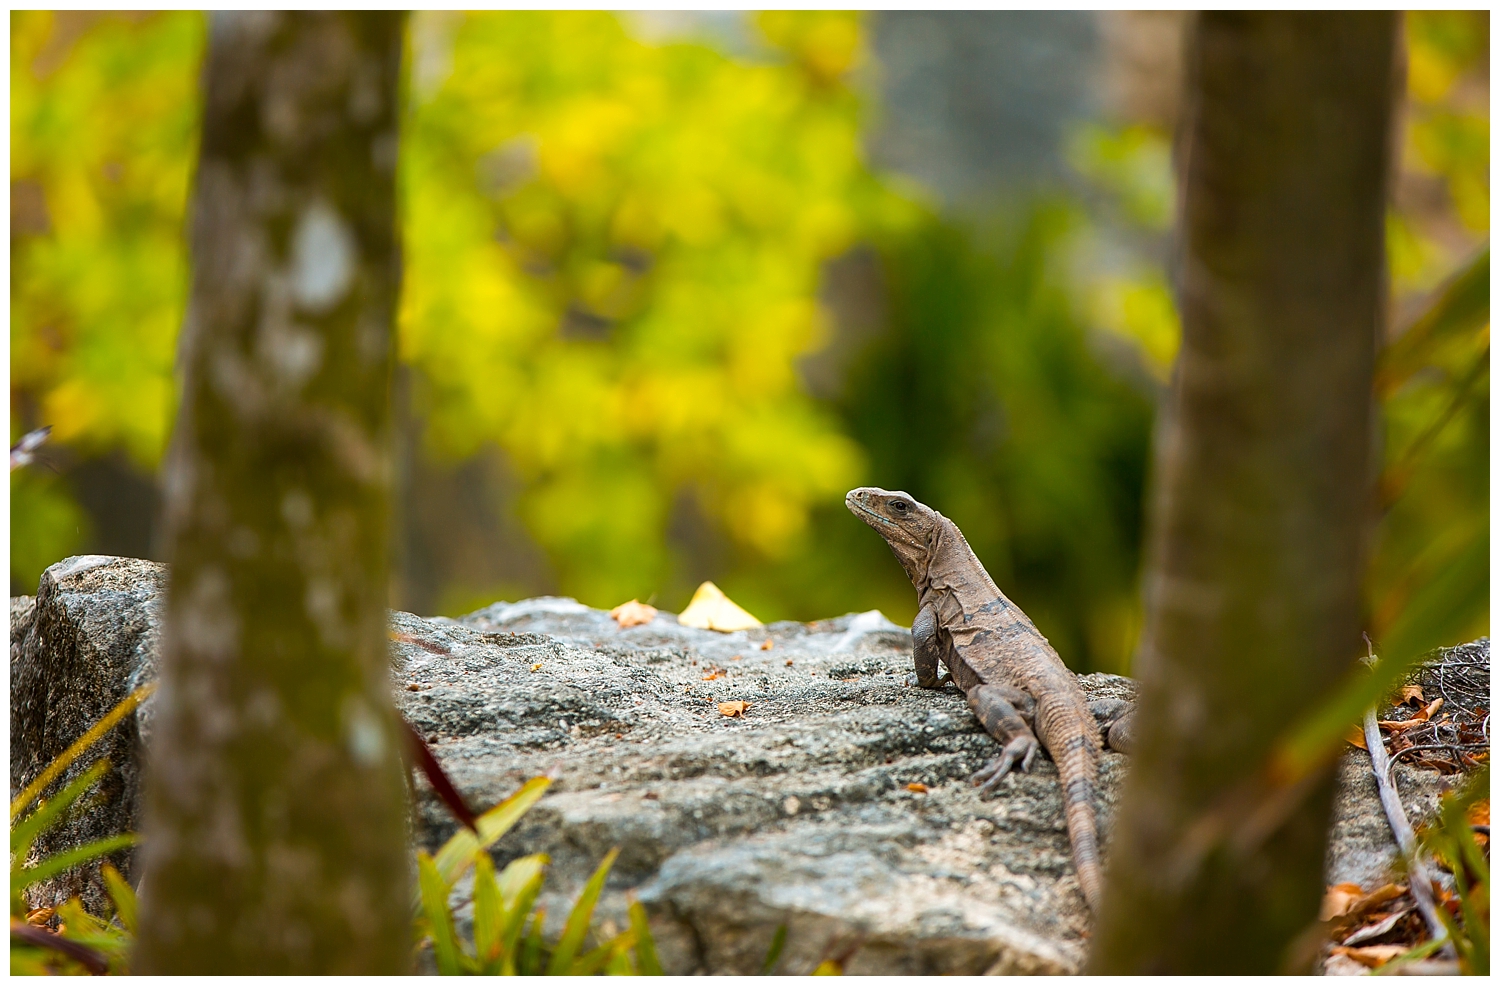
(53, 865)
(123, 896)
(645, 946)
(578, 921)
(434, 892)
(519, 874)
(1463, 306)
(531, 951)
(88, 739)
(489, 913)
(620, 965)
(459, 851)
(50, 812)
(519, 906)
(778, 942)
(591, 962)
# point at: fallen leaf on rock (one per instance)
(1356, 736)
(1370, 932)
(713, 675)
(536, 667)
(633, 614)
(1338, 900)
(733, 709)
(1373, 956)
(1479, 812)
(767, 645)
(1412, 693)
(917, 787)
(712, 610)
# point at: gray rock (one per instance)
(798, 814)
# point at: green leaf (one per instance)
(53, 865)
(519, 874)
(459, 851)
(578, 920)
(592, 962)
(489, 913)
(531, 952)
(88, 739)
(519, 898)
(645, 945)
(123, 896)
(434, 891)
(620, 965)
(1435, 616)
(1462, 306)
(778, 942)
(50, 812)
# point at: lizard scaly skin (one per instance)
(1012, 678)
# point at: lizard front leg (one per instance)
(1007, 714)
(927, 649)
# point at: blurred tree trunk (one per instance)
(275, 825)
(1263, 484)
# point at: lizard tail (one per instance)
(1078, 766)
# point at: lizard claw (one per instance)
(913, 679)
(1022, 748)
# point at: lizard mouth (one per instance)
(882, 524)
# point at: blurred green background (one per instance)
(673, 283)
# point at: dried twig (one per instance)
(1406, 839)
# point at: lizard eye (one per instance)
(899, 506)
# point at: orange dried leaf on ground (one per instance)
(713, 675)
(633, 614)
(1373, 956)
(1479, 812)
(1337, 900)
(1412, 694)
(733, 709)
(710, 609)
(1431, 710)
(767, 645)
(917, 787)
(1356, 736)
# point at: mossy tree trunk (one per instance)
(1262, 492)
(275, 828)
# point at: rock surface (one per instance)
(807, 811)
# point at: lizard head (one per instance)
(907, 526)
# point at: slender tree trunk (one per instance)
(1263, 480)
(275, 826)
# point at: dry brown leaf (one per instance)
(1373, 956)
(1412, 693)
(767, 645)
(714, 675)
(633, 614)
(39, 916)
(1370, 932)
(1356, 736)
(917, 786)
(1337, 900)
(733, 709)
(536, 667)
(1479, 812)
(1431, 710)
(712, 610)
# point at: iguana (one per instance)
(1014, 681)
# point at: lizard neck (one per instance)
(954, 566)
